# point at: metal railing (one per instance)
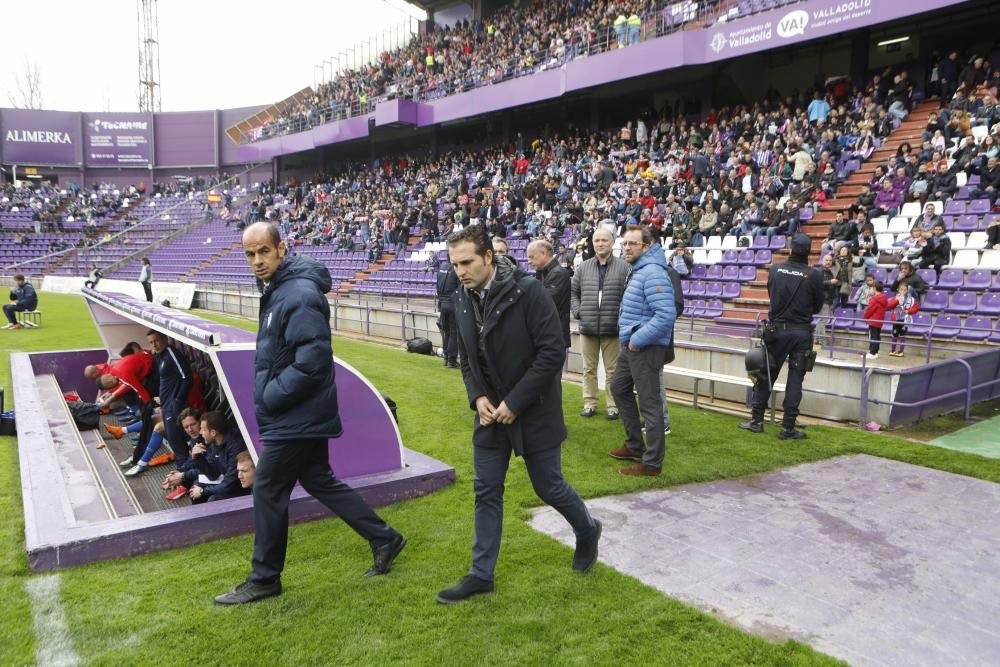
(670, 18)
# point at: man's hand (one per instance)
(503, 414)
(198, 449)
(196, 492)
(173, 479)
(633, 348)
(486, 411)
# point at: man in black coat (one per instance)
(23, 298)
(512, 358)
(447, 285)
(295, 395)
(557, 280)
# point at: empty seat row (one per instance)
(973, 328)
(745, 257)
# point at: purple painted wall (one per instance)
(68, 367)
(452, 15)
(185, 138)
(391, 112)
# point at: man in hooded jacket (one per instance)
(296, 405)
(512, 354)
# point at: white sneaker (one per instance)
(10, 326)
(137, 469)
(126, 463)
(871, 356)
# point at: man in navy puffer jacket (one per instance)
(296, 405)
(645, 330)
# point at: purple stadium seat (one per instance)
(979, 206)
(995, 287)
(713, 308)
(745, 256)
(731, 290)
(698, 272)
(686, 287)
(879, 274)
(995, 336)
(762, 258)
(805, 213)
(973, 180)
(963, 192)
(975, 328)
(852, 298)
(950, 279)
(987, 219)
(858, 325)
(949, 222)
(713, 290)
(697, 288)
(731, 257)
(967, 223)
(730, 272)
(842, 318)
(954, 207)
(759, 242)
(977, 279)
(748, 273)
(934, 301)
(895, 274)
(920, 326)
(853, 165)
(716, 271)
(778, 242)
(989, 304)
(697, 308)
(962, 302)
(929, 276)
(946, 326)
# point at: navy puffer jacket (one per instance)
(294, 390)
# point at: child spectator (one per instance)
(875, 316)
(903, 307)
(865, 293)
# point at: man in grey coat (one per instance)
(595, 298)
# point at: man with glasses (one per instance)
(645, 330)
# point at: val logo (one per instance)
(718, 42)
(794, 23)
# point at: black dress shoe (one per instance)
(791, 434)
(752, 426)
(249, 591)
(464, 590)
(586, 549)
(384, 555)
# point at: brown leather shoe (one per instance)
(624, 454)
(641, 470)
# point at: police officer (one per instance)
(796, 294)
(447, 285)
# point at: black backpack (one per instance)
(86, 415)
(420, 346)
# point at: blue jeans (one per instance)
(545, 472)
(620, 34)
(633, 34)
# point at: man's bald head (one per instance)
(264, 249)
(107, 381)
(91, 372)
(604, 243)
(539, 254)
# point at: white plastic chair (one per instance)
(899, 225)
(957, 240)
(911, 209)
(977, 241)
(729, 242)
(990, 260)
(713, 243)
(714, 257)
(966, 260)
(700, 255)
(881, 224)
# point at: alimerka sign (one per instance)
(40, 137)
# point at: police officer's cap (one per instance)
(801, 244)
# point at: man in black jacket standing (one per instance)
(595, 297)
(512, 357)
(447, 285)
(296, 405)
(555, 278)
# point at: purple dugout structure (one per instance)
(79, 509)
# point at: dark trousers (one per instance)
(306, 461)
(449, 333)
(148, 289)
(793, 346)
(9, 310)
(993, 236)
(874, 339)
(642, 372)
(175, 435)
(545, 471)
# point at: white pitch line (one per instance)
(55, 648)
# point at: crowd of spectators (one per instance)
(519, 39)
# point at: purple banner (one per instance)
(40, 137)
(185, 139)
(118, 139)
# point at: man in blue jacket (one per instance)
(296, 405)
(214, 473)
(645, 331)
(24, 298)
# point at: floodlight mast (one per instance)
(149, 55)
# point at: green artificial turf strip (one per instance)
(157, 609)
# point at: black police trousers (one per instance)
(794, 346)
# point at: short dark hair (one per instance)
(145, 260)
(194, 413)
(130, 348)
(215, 420)
(879, 286)
(19, 278)
(154, 332)
(647, 236)
(476, 234)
